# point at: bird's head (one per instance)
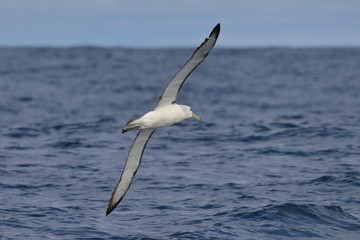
(189, 113)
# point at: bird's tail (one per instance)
(133, 124)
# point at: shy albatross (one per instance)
(166, 113)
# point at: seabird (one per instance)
(166, 113)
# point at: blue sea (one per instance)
(277, 155)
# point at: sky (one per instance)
(179, 23)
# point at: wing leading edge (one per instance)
(131, 166)
(171, 91)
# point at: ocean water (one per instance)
(277, 155)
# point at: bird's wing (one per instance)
(172, 89)
(131, 166)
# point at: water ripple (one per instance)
(276, 157)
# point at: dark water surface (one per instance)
(276, 157)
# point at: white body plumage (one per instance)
(161, 117)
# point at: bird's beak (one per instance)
(196, 117)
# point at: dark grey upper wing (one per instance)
(131, 166)
(172, 89)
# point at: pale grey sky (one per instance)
(167, 23)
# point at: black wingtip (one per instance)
(216, 31)
(108, 211)
(111, 206)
